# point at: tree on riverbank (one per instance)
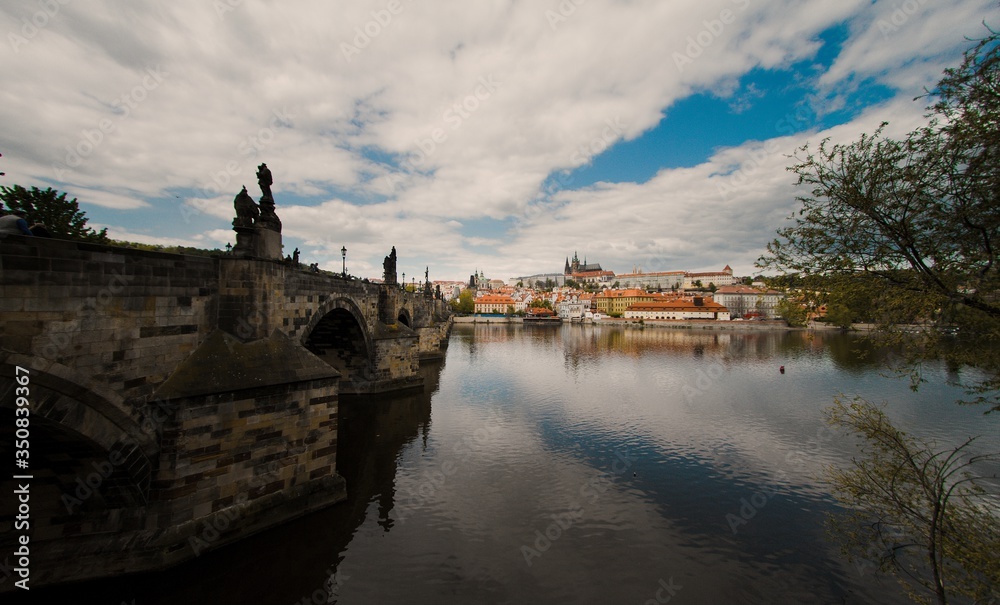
(910, 229)
(919, 514)
(63, 218)
(913, 226)
(464, 303)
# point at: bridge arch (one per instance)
(339, 335)
(405, 317)
(95, 453)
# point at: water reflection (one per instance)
(584, 464)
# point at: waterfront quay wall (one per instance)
(648, 323)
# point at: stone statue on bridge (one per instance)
(257, 227)
(389, 267)
(246, 209)
(268, 219)
(264, 180)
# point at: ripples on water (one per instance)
(587, 465)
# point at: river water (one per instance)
(584, 464)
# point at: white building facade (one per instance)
(748, 302)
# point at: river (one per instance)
(584, 464)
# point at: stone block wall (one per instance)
(257, 297)
(433, 339)
(124, 318)
(232, 449)
(396, 361)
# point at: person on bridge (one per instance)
(14, 224)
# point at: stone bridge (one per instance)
(178, 403)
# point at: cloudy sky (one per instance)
(494, 134)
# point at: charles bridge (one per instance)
(179, 403)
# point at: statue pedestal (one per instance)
(245, 241)
(268, 244)
(257, 242)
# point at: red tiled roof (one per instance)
(494, 299)
(684, 304)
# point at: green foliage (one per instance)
(540, 303)
(63, 218)
(906, 232)
(922, 514)
(168, 249)
(839, 315)
(464, 303)
(572, 283)
(793, 312)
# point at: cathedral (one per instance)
(575, 267)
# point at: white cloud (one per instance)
(902, 43)
(446, 115)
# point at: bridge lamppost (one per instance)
(404, 281)
(343, 266)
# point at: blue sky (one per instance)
(501, 135)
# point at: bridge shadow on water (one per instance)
(295, 562)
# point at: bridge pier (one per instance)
(248, 447)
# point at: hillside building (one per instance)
(659, 280)
(719, 278)
(747, 302)
(493, 303)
